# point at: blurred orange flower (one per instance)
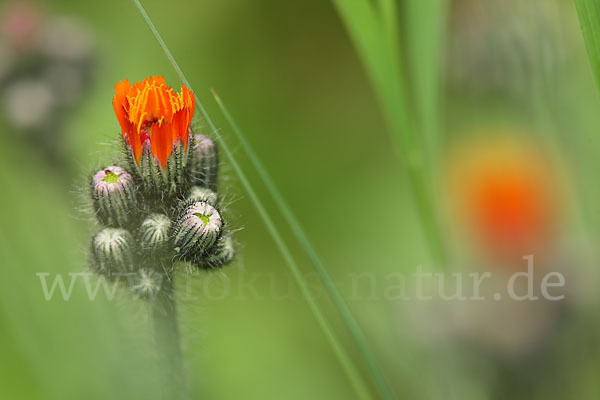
(507, 195)
(152, 114)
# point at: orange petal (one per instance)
(121, 105)
(180, 126)
(151, 111)
(135, 143)
(189, 104)
(152, 102)
(162, 142)
(189, 101)
(139, 86)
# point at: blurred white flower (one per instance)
(29, 103)
(67, 39)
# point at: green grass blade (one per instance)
(347, 364)
(373, 43)
(424, 23)
(352, 325)
(379, 50)
(589, 20)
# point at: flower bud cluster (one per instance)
(154, 215)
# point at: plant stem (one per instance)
(168, 346)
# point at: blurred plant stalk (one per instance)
(374, 31)
(168, 344)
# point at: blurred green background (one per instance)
(292, 79)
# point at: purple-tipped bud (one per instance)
(205, 162)
(153, 234)
(112, 251)
(197, 230)
(113, 193)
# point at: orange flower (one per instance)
(508, 192)
(150, 112)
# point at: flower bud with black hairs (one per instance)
(113, 194)
(204, 162)
(198, 193)
(153, 235)
(196, 230)
(163, 181)
(221, 253)
(113, 252)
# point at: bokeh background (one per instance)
(516, 162)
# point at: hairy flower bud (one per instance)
(197, 230)
(198, 193)
(205, 162)
(222, 253)
(153, 234)
(112, 251)
(168, 180)
(114, 196)
(146, 283)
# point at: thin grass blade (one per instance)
(424, 23)
(338, 300)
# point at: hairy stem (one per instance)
(168, 345)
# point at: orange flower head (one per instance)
(508, 192)
(152, 114)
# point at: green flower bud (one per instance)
(112, 251)
(153, 234)
(205, 162)
(198, 193)
(113, 194)
(197, 230)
